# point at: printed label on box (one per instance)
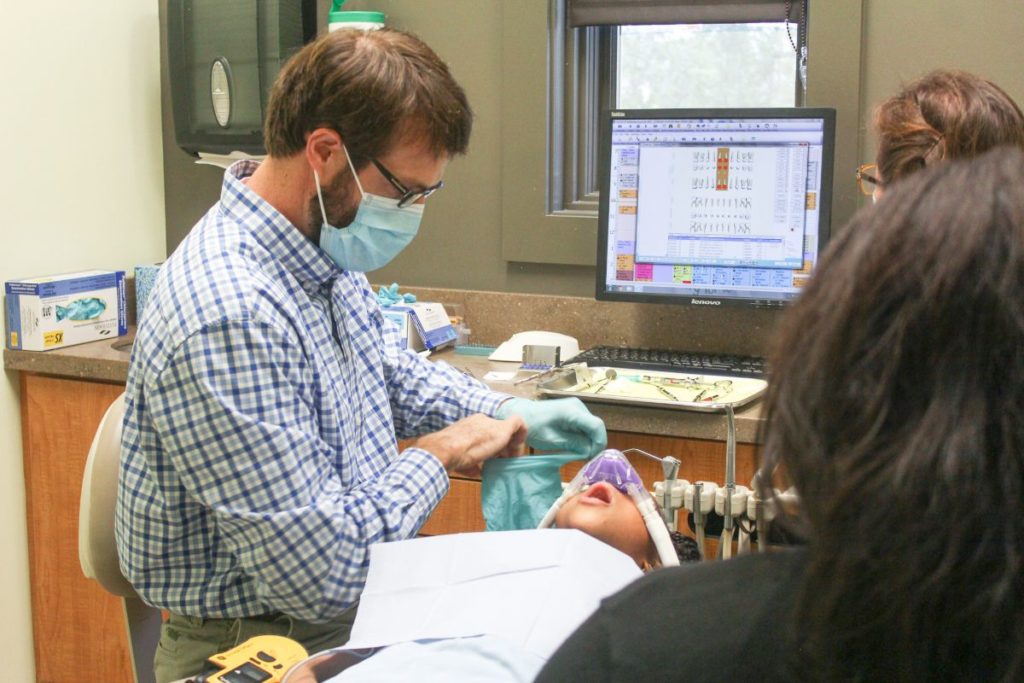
(52, 312)
(429, 328)
(433, 324)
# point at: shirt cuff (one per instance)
(491, 401)
(426, 470)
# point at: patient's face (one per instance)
(607, 514)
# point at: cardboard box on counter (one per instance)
(55, 311)
(424, 325)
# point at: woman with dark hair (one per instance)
(942, 116)
(895, 407)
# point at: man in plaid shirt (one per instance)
(265, 390)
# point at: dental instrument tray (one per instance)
(682, 391)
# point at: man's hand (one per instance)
(563, 425)
(462, 446)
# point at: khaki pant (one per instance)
(187, 642)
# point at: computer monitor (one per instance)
(713, 206)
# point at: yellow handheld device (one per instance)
(262, 659)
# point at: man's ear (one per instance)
(324, 149)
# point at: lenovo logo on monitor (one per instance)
(706, 302)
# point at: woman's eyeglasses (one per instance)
(867, 179)
(408, 196)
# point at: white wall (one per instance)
(81, 186)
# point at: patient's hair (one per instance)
(944, 115)
(896, 407)
(686, 548)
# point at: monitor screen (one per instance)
(713, 206)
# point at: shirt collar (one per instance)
(268, 226)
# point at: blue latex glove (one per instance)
(563, 425)
(389, 296)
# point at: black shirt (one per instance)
(718, 621)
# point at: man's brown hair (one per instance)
(374, 88)
(942, 116)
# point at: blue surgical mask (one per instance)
(378, 233)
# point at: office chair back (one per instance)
(97, 548)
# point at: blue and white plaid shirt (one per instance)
(265, 392)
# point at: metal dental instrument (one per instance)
(600, 382)
(661, 390)
(665, 461)
(760, 525)
(665, 392)
(547, 373)
(698, 516)
(672, 381)
(725, 546)
(723, 385)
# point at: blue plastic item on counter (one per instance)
(390, 296)
(474, 349)
(145, 277)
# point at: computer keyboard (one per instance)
(672, 361)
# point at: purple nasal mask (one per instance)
(611, 466)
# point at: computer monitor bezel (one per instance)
(827, 115)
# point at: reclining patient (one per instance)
(606, 499)
(518, 595)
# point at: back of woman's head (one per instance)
(944, 115)
(896, 407)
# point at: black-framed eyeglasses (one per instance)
(408, 196)
(867, 179)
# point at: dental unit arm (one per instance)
(763, 510)
(670, 491)
(612, 466)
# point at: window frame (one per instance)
(583, 87)
(554, 219)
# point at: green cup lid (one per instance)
(353, 17)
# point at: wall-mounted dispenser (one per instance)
(223, 57)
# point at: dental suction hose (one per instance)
(655, 527)
(549, 516)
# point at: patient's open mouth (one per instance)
(599, 493)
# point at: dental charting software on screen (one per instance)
(716, 208)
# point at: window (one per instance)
(638, 66)
(558, 78)
(727, 65)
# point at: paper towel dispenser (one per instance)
(223, 57)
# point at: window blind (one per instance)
(603, 12)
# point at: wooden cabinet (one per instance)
(78, 627)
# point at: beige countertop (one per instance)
(102, 361)
(107, 361)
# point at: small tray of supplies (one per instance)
(683, 391)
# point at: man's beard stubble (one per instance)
(340, 203)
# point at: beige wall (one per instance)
(80, 187)
(460, 240)
(907, 38)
